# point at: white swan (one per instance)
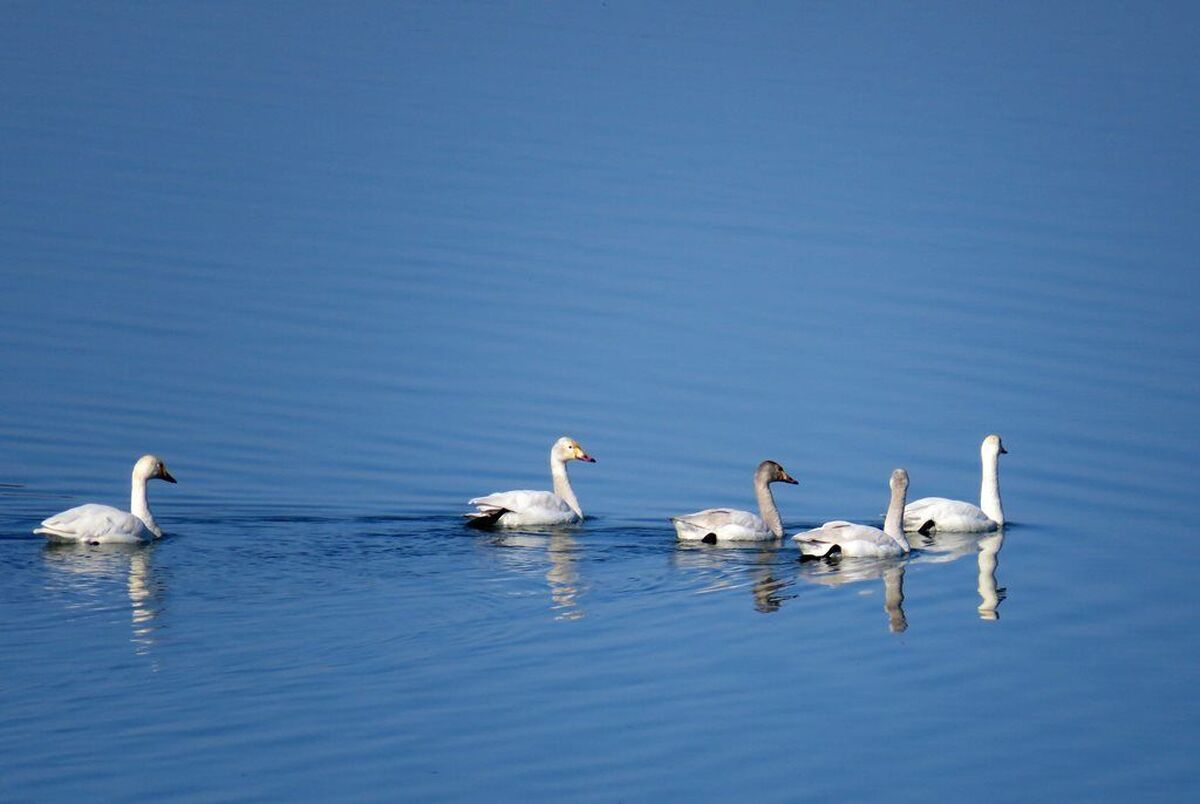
(514, 509)
(103, 524)
(862, 541)
(930, 514)
(726, 524)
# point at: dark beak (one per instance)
(1003, 451)
(587, 458)
(167, 476)
(793, 481)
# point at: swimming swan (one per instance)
(514, 509)
(939, 514)
(862, 541)
(103, 524)
(726, 524)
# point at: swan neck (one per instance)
(766, 506)
(139, 506)
(989, 489)
(893, 523)
(562, 484)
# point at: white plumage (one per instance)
(722, 524)
(853, 540)
(861, 541)
(96, 523)
(522, 508)
(930, 514)
(940, 514)
(507, 509)
(732, 525)
(103, 524)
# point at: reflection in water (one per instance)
(940, 548)
(991, 596)
(90, 567)
(562, 576)
(732, 566)
(893, 599)
(845, 571)
(766, 592)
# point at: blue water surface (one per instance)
(344, 268)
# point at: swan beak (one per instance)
(791, 480)
(583, 456)
(167, 476)
(1003, 451)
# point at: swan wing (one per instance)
(939, 513)
(94, 523)
(723, 524)
(521, 507)
(851, 539)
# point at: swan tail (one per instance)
(689, 531)
(810, 550)
(485, 517)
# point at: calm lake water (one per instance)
(345, 269)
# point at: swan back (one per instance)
(93, 523)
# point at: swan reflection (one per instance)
(562, 576)
(942, 548)
(98, 565)
(990, 595)
(735, 566)
(846, 571)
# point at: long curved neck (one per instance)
(139, 506)
(562, 484)
(893, 523)
(989, 489)
(766, 505)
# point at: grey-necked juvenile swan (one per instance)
(930, 514)
(726, 524)
(514, 509)
(862, 541)
(103, 524)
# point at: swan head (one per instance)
(568, 449)
(151, 467)
(774, 473)
(992, 445)
(899, 481)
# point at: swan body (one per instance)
(930, 514)
(731, 525)
(103, 524)
(861, 541)
(853, 541)
(515, 509)
(509, 509)
(723, 525)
